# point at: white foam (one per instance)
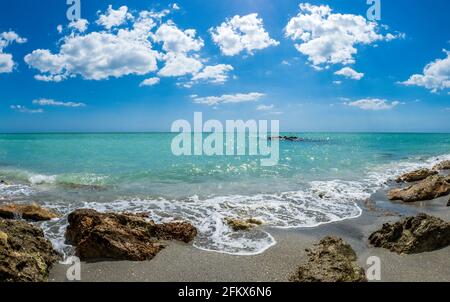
(38, 179)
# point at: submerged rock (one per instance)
(430, 188)
(122, 236)
(25, 255)
(445, 165)
(417, 175)
(243, 225)
(331, 260)
(32, 212)
(413, 235)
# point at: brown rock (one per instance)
(417, 175)
(25, 254)
(445, 165)
(331, 260)
(413, 235)
(32, 212)
(122, 236)
(430, 188)
(243, 225)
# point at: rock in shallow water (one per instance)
(445, 165)
(413, 235)
(331, 260)
(417, 175)
(122, 236)
(25, 255)
(243, 225)
(428, 189)
(32, 212)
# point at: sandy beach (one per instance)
(183, 262)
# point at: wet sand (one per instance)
(184, 263)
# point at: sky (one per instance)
(139, 65)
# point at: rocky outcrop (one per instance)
(32, 212)
(25, 255)
(413, 235)
(428, 189)
(243, 225)
(445, 165)
(417, 175)
(331, 260)
(122, 236)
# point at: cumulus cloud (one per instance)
(214, 74)
(331, 38)
(239, 34)
(24, 109)
(6, 59)
(132, 48)
(50, 102)
(373, 104)
(150, 82)
(113, 18)
(228, 98)
(80, 25)
(350, 73)
(435, 77)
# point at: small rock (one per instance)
(417, 175)
(331, 260)
(445, 165)
(32, 212)
(412, 235)
(448, 203)
(243, 225)
(428, 189)
(122, 236)
(25, 254)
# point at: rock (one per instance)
(331, 260)
(428, 189)
(243, 225)
(448, 203)
(445, 165)
(2, 182)
(32, 212)
(417, 175)
(412, 235)
(25, 254)
(121, 236)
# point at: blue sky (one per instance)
(393, 75)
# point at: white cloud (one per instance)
(228, 98)
(6, 59)
(337, 82)
(329, 38)
(59, 28)
(373, 104)
(179, 65)
(214, 74)
(265, 107)
(50, 102)
(150, 82)
(99, 55)
(80, 25)
(177, 41)
(239, 34)
(175, 6)
(113, 18)
(436, 75)
(350, 73)
(24, 109)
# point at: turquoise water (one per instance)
(316, 181)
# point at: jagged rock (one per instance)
(32, 212)
(243, 225)
(25, 254)
(417, 175)
(445, 165)
(331, 260)
(448, 204)
(428, 189)
(412, 235)
(122, 236)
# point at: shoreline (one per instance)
(180, 262)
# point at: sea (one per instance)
(321, 179)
